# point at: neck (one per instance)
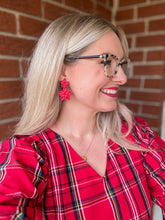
(76, 122)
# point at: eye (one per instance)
(124, 66)
(106, 63)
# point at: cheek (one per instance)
(81, 88)
(86, 79)
(79, 80)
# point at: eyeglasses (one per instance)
(111, 63)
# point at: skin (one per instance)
(77, 120)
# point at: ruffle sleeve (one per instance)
(153, 161)
(23, 173)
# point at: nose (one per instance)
(120, 77)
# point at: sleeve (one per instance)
(22, 179)
(154, 164)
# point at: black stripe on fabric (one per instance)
(74, 195)
(128, 162)
(110, 187)
(136, 179)
(43, 140)
(57, 137)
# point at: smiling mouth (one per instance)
(110, 92)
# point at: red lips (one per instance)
(111, 92)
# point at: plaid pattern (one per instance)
(42, 177)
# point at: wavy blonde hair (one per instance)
(67, 35)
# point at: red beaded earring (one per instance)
(64, 93)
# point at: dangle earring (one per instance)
(64, 93)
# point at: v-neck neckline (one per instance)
(71, 149)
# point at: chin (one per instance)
(110, 109)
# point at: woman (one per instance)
(78, 153)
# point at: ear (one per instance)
(62, 75)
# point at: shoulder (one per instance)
(139, 122)
(141, 128)
(22, 144)
(35, 143)
(26, 151)
(138, 126)
(145, 136)
(18, 149)
(19, 141)
(16, 142)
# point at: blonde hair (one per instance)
(68, 35)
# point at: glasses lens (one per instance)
(124, 66)
(111, 66)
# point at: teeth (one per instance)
(109, 91)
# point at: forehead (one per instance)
(108, 43)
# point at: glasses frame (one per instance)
(105, 56)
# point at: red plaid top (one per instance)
(42, 177)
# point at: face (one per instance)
(91, 88)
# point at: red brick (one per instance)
(147, 96)
(103, 12)
(111, 3)
(133, 28)
(154, 83)
(32, 27)
(124, 14)
(27, 6)
(104, 1)
(130, 2)
(136, 56)
(155, 110)
(156, 55)
(85, 5)
(129, 41)
(133, 83)
(6, 130)
(24, 67)
(9, 68)
(149, 41)
(7, 22)
(149, 70)
(151, 10)
(122, 94)
(10, 110)
(53, 11)
(10, 89)
(16, 46)
(157, 25)
(133, 107)
(153, 122)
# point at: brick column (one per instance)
(144, 23)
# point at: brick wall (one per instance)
(144, 23)
(23, 21)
